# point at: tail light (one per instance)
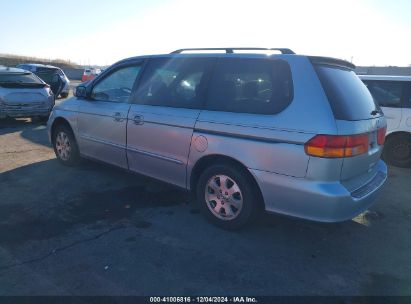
(381, 135)
(335, 146)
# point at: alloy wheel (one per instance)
(63, 146)
(223, 197)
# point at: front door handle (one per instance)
(138, 119)
(117, 117)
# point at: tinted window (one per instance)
(348, 96)
(47, 74)
(19, 78)
(175, 82)
(257, 86)
(117, 86)
(386, 93)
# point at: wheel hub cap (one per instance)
(63, 147)
(223, 197)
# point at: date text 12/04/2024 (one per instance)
(203, 300)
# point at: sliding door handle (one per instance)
(117, 117)
(138, 119)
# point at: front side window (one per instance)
(175, 82)
(256, 86)
(386, 93)
(117, 86)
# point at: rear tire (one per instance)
(64, 95)
(397, 150)
(65, 146)
(227, 196)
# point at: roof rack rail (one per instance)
(231, 50)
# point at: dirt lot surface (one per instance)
(97, 230)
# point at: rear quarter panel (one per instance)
(359, 169)
(272, 143)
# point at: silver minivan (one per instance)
(291, 134)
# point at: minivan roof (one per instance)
(230, 50)
(285, 54)
(385, 77)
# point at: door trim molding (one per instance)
(173, 160)
(101, 141)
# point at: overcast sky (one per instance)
(368, 32)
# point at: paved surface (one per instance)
(96, 230)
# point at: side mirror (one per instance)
(80, 92)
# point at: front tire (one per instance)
(64, 95)
(227, 196)
(65, 146)
(397, 150)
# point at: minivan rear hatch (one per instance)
(356, 114)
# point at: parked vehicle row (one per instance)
(393, 94)
(54, 76)
(23, 94)
(296, 135)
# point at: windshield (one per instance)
(348, 96)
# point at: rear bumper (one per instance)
(318, 201)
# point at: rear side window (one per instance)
(175, 82)
(19, 78)
(348, 96)
(386, 93)
(256, 86)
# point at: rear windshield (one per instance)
(348, 96)
(19, 78)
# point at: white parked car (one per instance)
(393, 94)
